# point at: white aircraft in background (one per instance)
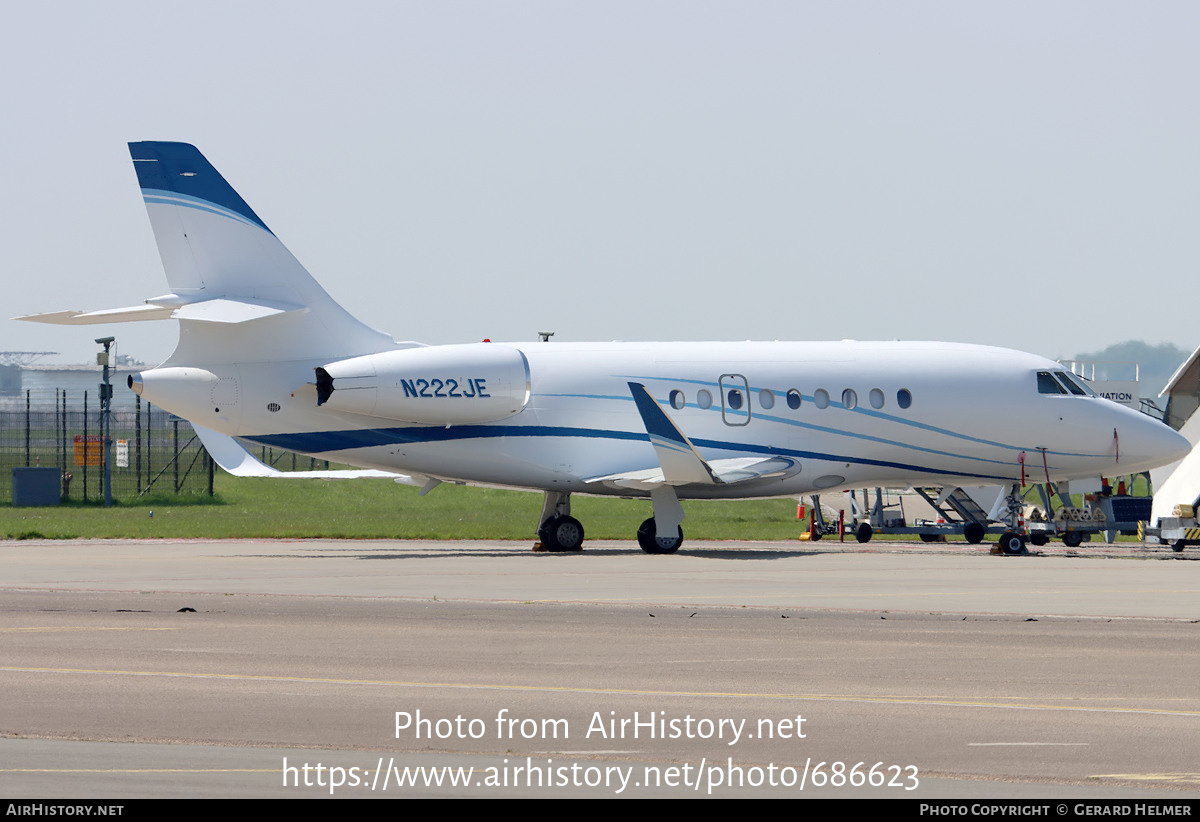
(265, 354)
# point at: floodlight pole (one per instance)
(106, 419)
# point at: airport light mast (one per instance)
(106, 418)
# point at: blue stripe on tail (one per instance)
(182, 169)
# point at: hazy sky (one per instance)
(1013, 173)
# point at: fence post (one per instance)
(149, 444)
(85, 445)
(70, 441)
(63, 440)
(137, 440)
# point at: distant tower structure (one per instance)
(10, 369)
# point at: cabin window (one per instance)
(876, 398)
(904, 398)
(766, 398)
(1048, 385)
(821, 398)
(704, 398)
(735, 399)
(677, 399)
(849, 399)
(793, 399)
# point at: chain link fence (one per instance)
(152, 451)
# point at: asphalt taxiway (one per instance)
(277, 668)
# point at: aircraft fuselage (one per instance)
(847, 413)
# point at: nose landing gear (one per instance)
(1012, 541)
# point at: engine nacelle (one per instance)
(439, 385)
(191, 393)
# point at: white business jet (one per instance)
(266, 355)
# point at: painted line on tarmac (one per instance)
(65, 628)
(1026, 744)
(1150, 777)
(881, 699)
(139, 770)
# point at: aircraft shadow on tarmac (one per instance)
(522, 550)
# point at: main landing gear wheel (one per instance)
(652, 544)
(974, 532)
(561, 533)
(1072, 539)
(1012, 544)
(864, 532)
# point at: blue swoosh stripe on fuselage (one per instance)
(873, 413)
(320, 442)
(865, 437)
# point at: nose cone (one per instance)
(1144, 443)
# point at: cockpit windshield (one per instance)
(1048, 385)
(1060, 382)
(1070, 386)
(1075, 384)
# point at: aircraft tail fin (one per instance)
(215, 249)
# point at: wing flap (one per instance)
(730, 471)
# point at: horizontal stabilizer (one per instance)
(214, 311)
(234, 458)
(134, 313)
(232, 311)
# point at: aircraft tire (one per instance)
(1072, 539)
(974, 532)
(1012, 544)
(864, 532)
(652, 544)
(561, 533)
